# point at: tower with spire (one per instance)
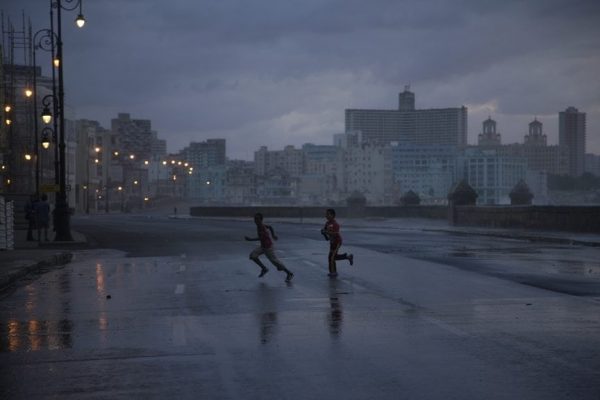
(489, 136)
(536, 136)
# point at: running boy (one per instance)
(266, 247)
(331, 231)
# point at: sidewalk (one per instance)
(31, 257)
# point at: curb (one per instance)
(56, 260)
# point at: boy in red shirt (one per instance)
(331, 231)
(266, 247)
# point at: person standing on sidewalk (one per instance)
(42, 215)
(331, 231)
(266, 248)
(30, 215)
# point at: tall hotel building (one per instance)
(571, 133)
(443, 126)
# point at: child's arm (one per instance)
(251, 239)
(272, 232)
(324, 232)
(330, 232)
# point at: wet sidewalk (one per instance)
(31, 257)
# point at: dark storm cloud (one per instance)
(282, 72)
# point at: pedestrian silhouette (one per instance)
(30, 215)
(42, 215)
(266, 248)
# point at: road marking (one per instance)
(181, 268)
(180, 288)
(312, 264)
(445, 326)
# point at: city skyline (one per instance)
(272, 74)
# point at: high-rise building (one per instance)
(205, 154)
(571, 133)
(406, 100)
(134, 135)
(443, 126)
(158, 148)
(288, 161)
(208, 177)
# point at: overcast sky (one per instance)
(277, 72)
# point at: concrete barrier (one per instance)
(435, 212)
(563, 218)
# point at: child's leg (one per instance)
(345, 256)
(270, 253)
(332, 266)
(254, 257)
(333, 249)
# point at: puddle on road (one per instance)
(35, 335)
(575, 267)
(531, 257)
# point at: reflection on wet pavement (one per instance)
(35, 335)
(268, 326)
(335, 317)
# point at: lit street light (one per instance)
(46, 137)
(42, 40)
(62, 211)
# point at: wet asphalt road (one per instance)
(161, 308)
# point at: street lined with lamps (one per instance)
(62, 211)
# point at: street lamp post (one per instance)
(43, 40)
(50, 99)
(63, 223)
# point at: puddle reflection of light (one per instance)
(35, 339)
(100, 288)
(103, 327)
(36, 335)
(14, 340)
(31, 301)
